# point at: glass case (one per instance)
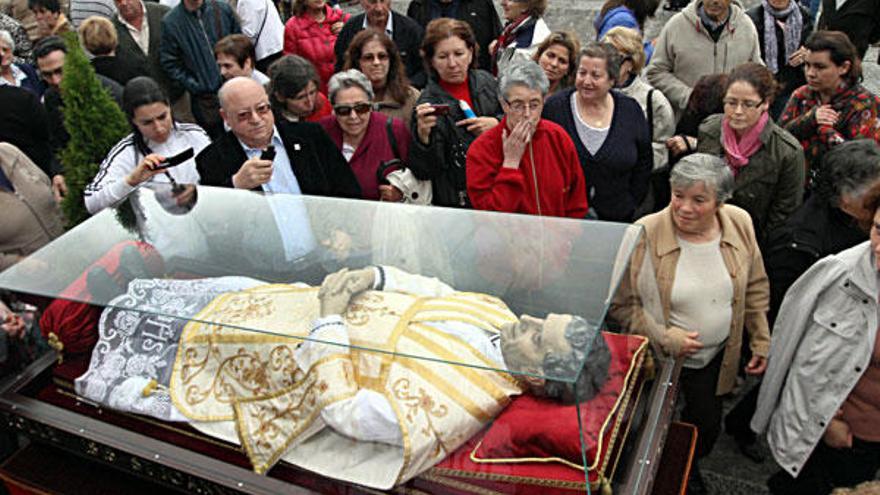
(317, 341)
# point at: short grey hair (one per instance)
(850, 169)
(6, 37)
(523, 73)
(606, 52)
(708, 169)
(589, 362)
(351, 78)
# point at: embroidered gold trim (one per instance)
(473, 409)
(481, 475)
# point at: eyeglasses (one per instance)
(259, 110)
(359, 108)
(46, 74)
(519, 106)
(369, 57)
(746, 104)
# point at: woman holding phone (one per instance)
(459, 103)
(146, 156)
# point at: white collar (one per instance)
(276, 138)
(129, 26)
(389, 26)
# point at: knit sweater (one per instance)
(552, 185)
(617, 175)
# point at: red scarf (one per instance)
(738, 151)
(507, 33)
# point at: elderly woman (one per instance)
(526, 164)
(610, 132)
(375, 54)
(311, 33)
(767, 162)
(523, 31)
(21, 75)
(557, 55)
(99, 37)
(819, 401)
(31, 217)
(364, 137)
(703, 317)
(293, 91)
(833, 107)
(459, 103)
(658, 111)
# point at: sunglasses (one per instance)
(359, 108)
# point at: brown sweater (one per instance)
(861, 410)
(31, 217)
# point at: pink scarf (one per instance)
(738, 152)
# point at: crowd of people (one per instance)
(741, 140)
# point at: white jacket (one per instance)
(822, 343)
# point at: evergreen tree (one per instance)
(93, 120)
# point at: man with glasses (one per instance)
(305, 160)
(526, 164)
(50, 53)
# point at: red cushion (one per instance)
(532, 429)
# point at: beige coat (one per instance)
(31, 217)
(751, 289)
(685, 52)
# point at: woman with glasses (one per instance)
(459, 103)
(293, 91)
(374, 54)
(526, 164)
(610, 134)
(137, 160)
(557, 55)
(365, 137)
(767, 162)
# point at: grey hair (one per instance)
(523, 73)
(589, 361)
(5, 36)
(351, 78)
(849, 169)
(606, 52)
(705, 168)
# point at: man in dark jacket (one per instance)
(407, 35)
(139, 29)
(480, 14)
(189, 33)
(859, 19)
(306, 161)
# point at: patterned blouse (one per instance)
(858, 109)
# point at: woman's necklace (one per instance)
(604, 111)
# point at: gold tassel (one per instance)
(149, 388)
(605, 486)
(55, 343)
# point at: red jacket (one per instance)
(560, 181)
(314, 41)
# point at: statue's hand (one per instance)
(339, 288)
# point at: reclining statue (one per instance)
(372, 378)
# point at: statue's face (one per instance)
(526, 342)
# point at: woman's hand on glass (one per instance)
(756, 366)
(478, 125)
(390, 193)
(425, 122)
(145, 170)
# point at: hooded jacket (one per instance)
(685, 51)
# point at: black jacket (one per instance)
(443, 160)
(859, 19)
(23, 123)
(407, 36)
(790, 78)
(480, 14)
(119, 69)
(130, 51)
(814, 231)
(319, 167)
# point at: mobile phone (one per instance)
(440, 109)
(177, 159)
(268, 153)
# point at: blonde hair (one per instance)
(628, 42)
(98, 35)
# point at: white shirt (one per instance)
(17, 74)
(389, 26)
(261, 23)
(109, 186)
(261, 78)
(141, 36)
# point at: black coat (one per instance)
(319, 167)
(407, 36)
(443, 160)
(23, 123)
(480, 14)
(859, 19)
(790, 78)
(129, 50)
(119, 69)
